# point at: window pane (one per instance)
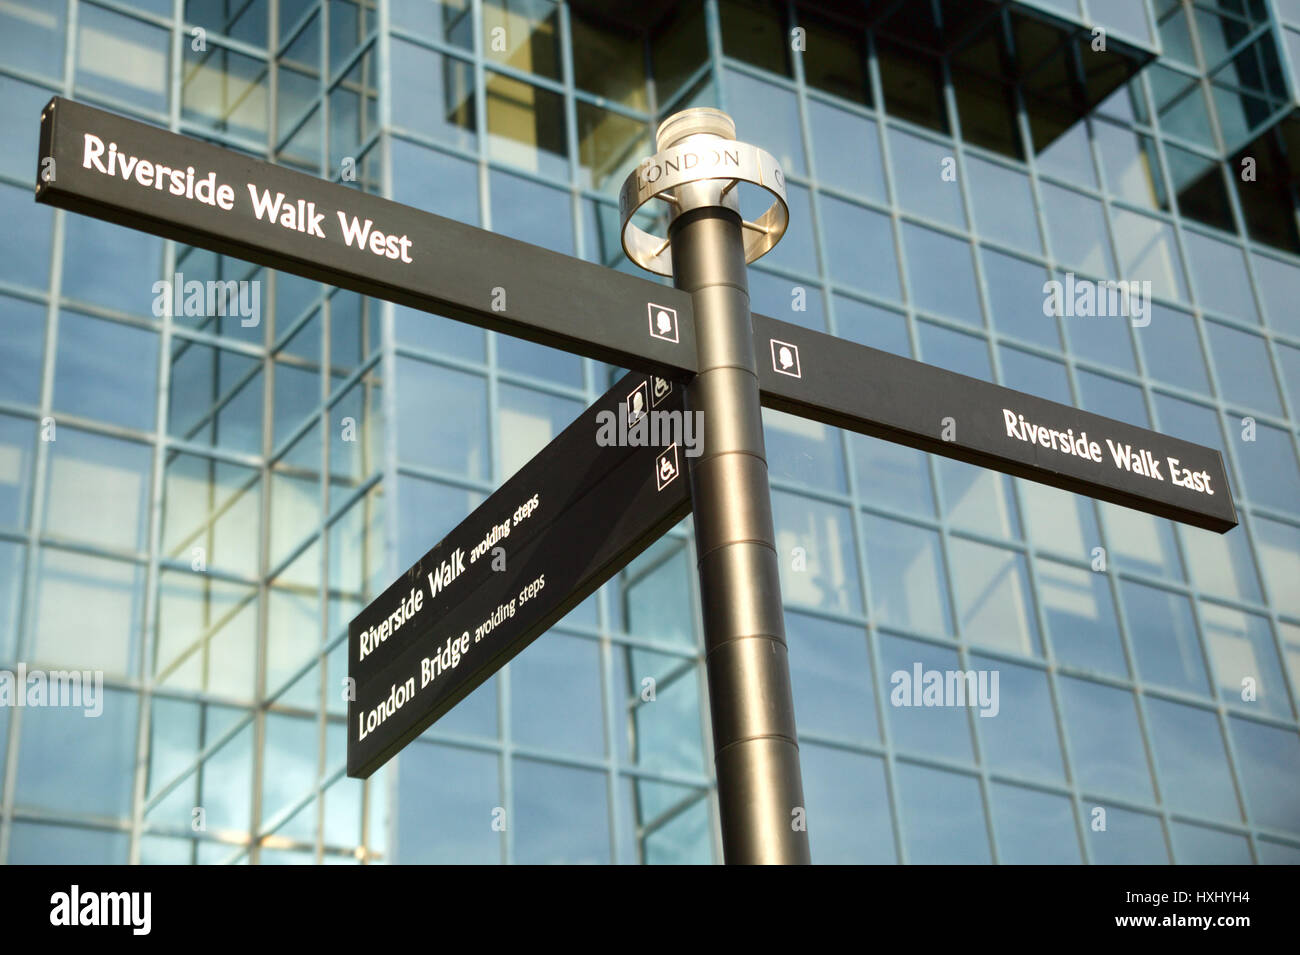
(1016, 299)
(1268, 763)
(449, 442)
(1163, 633)
(943, 817)
(1033, 828)
(1243, 657)
(942, 274)
(1105, 741)
(1244, 372)
(1022, 739)
(561, 815)
(824, 534)
(929, 728)
(105, 41)
(831, 673)
(773, 110)
(1004, 204)
(1130, 838)
(68, 763)
(1192, 761)
(438, 784)
(907, 576)
(526, 127)
(556, 696)
(848, 150)
(860, 248)
(98, 490)
(848, 807)
(991, 593)
(919, 178)
(1172, 350)
(1081, 618)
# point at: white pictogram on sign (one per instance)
(663, 322)
(660, 389)
(785, 359)
(638, 402)
(666, 467)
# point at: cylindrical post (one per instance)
(760, 791)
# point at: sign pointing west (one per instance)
(140, 176)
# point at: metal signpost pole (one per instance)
(760, 791)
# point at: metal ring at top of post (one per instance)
(700, 163)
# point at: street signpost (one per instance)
(565, 523)
(908, 402)
(585, 506)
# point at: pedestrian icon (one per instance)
(785, 359)
(660, 390)
(666, 467)
(637, 402)
(663, 322)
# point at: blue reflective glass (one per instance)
(25, 241)
(1105, 739)
(1081, 618)
(1163, 632)
(1172, 351)
(919, 724)
(1022, 739)
(820, 537)
(455, 443)
(554, 810)
(1003, 204)
(533, 213)
(436, 181)
(1218, 272)
(758, 105)
(22, 348)
(1078, 231)
(925, 178)
(1033, 827)
(1200, 845)
(106, 370)
(860, 248)
(848, 807)
(941, 274)
(942, 817)
(884, 329)
(71, 762)
(847, 150)
(908, 581)
(1017, 300)
(1191, 761)
(445, 802)
(1268, 762)
(954, 350)
(831, 673)
(991, 597)
(1243, 369)
(555, 696)
(1244, 661)
(1279, 286)
(1123, 837)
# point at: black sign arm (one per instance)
(124, 172)
(908, 402)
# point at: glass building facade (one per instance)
(196, 505)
